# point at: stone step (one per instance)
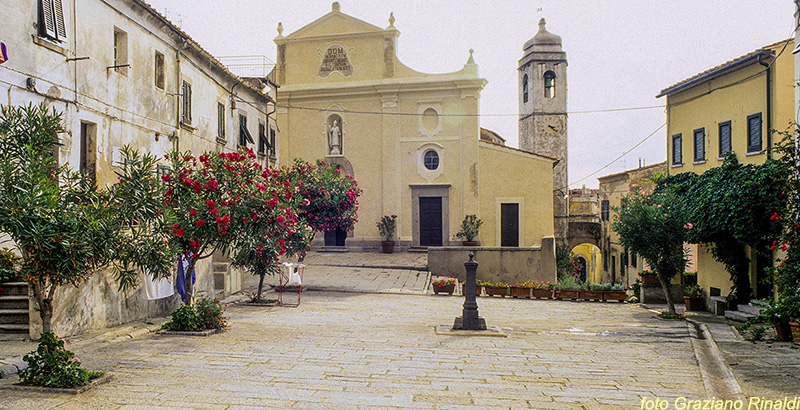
(14, 302)
(14, 288)
(738, 316)
(13, 328)
(754, 310)
(14, 316)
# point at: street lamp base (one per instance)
(475, 324)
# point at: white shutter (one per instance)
(48, 24)
(58, 16)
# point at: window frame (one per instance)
(754, 149)
(525, 88)
(549, 89)
(263, 143)
(120, 49)
(221, 112)
(425, 160)
(725, 124)
(159, 71)
(186, 103)
(699, 156)
(56, 30)
(605, 206)
(272, 148)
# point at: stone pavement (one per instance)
(379, 351)
(371, 344)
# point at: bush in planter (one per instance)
(52, 365)
(469, 228)
(444, 284)
(387, 226)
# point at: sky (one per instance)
(620, 54)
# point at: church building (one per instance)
(412, 140)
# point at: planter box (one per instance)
(543, 293)
(203, 333)
(618, 295)
(784, 331)
(464, 289)
(501, 291)
(520, 292)
(795, 332)
(62, 390)
(693, 304)
(650, 280)
(573, 294)
(592, 295)
(437, 289)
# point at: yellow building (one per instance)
(730, 107)
(411, 140)
(619, 265)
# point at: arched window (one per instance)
(549, 84)
(525, 88)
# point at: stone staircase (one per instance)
(14, 321)
(743, 313)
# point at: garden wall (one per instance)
(98, 303)
(655, 294)
(497, 264)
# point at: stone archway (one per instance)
(590, 259)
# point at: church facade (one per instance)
(411, 140)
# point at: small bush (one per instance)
(666, 315)
(7, 261)
(52, 365)
(205, 314)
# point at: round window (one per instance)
(431, 160)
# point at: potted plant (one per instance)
(444, 284)
(693, 298)
(469, 230)
(617, 292)
(521, 290)
(542, 290)
(568, 287)
(495, 289)
(595, 292)
(387, 226)
(649, 278)
(781, 312)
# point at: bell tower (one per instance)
(543, 113)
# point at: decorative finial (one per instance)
(335, 6)
(471, 255)
(541, 22)
(471, 60)
(280, 29)
(391, 19)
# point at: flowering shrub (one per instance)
(386, 226)
(52, 365)
(470, 227)
(204, 314)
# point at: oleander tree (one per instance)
(66, 228)
(653, 226)
(325, 200)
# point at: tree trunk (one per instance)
(665, 286)
(45, 306)
(260, 288)
(188, 285)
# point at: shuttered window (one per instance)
(604, 210)
(221, 120)
(754, 133)
(700, 144)
(186, 114)
(51, 20)
(262, 139)
(244, 133)
(677, 149)
(724, 138)
(272, 143)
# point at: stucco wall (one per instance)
(497, 264)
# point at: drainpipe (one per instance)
(769, 105)
(178, 85)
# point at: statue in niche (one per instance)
(335, 139)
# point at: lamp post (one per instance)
(469, 319)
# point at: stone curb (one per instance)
(711, 362)
(367, 266)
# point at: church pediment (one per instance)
(334, 23)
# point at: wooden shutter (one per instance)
(48, 21)
(724, 138)
(221, 120)
(58, 16)
(754, 132)
(699, 144)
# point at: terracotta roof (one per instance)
(489, 135)
(660, 164)
(521, 150)
(199, 48)
(712, 72)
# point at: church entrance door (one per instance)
(430, 221)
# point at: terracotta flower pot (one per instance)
(592, 295)
(795, 332)
(543, 293)
(650, 280)
(618, 295)
(693, 303)
(520, 292)
(784, 331)
(440, 288)
(387, 246)
(501, 291)
(469, 243)
(573, 294)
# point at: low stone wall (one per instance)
(655, 294)
(497, 264)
